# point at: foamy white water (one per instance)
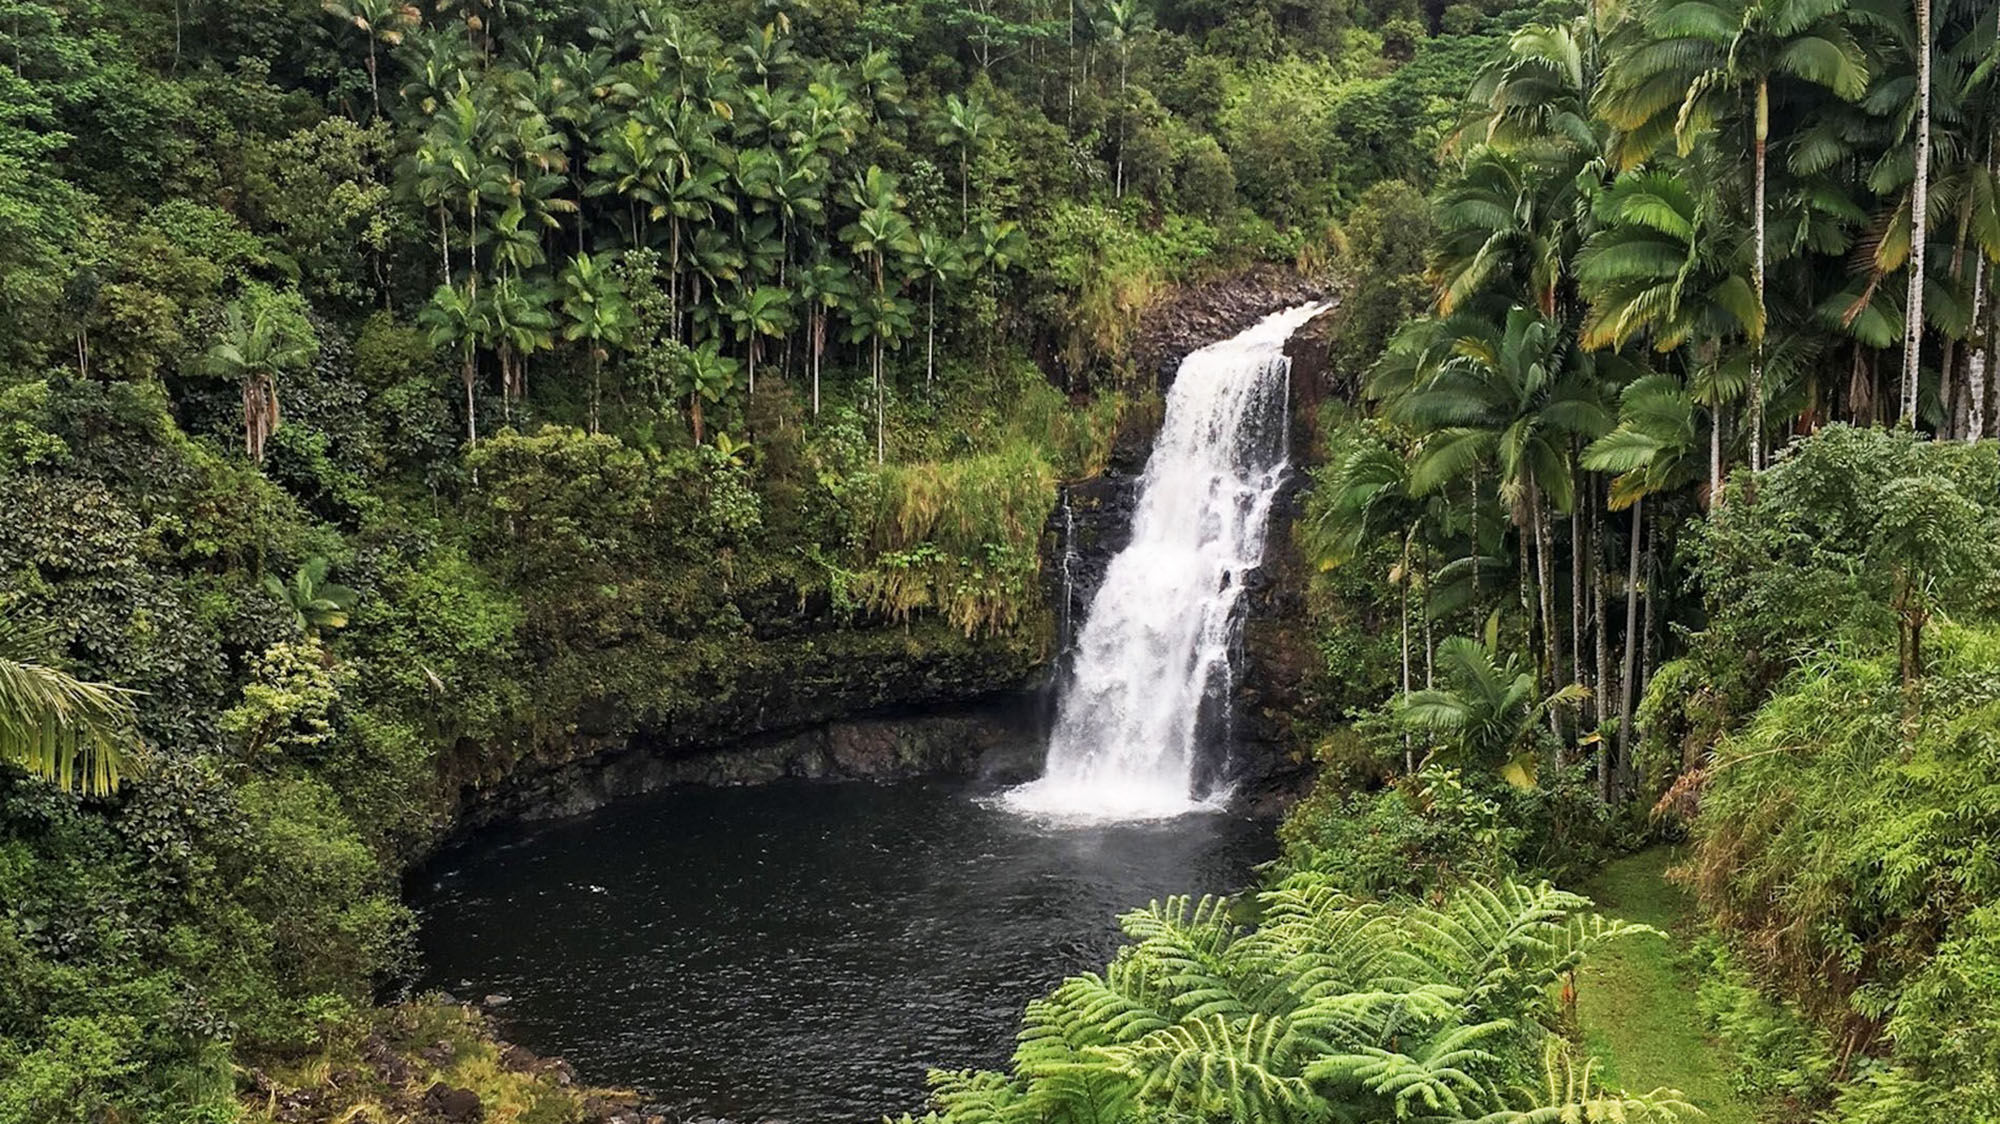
(1152, 661)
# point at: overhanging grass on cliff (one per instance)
(959, 537)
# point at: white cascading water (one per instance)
(1156, 641)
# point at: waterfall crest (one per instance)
(1152, 664)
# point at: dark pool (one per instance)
(796, 952)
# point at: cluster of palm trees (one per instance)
(742, 168)
(1677, 227)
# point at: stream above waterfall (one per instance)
(798, 952)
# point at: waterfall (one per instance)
(1151, 670)
(1069, 561)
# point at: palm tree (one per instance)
(1488, 714)
(383, 20)
(1653, 450)
(1120, 26)
(254, 349)
(519, 324)
(595, 311)
(1518, 397)
(456, 318)
(707, 375)
(1724, 55)
(1664, 264)
(1505, 230)
(963, 123)
(65, 730)
(316, 604)
(936, 259)
(824, 288)
(1364, 493)
(882, 319)
(1920, 186)
(757, 313)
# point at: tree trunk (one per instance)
(1430, 648)
(1602, 691)
(1756, 402)
(1551, 636)
(694, 414)
(1981, 345)
(597, 393)
(1409, 763)
(1627, 677)
(1646, 653)
(1715, 457)
(468, 373)
(374, 92)
(1920, 195)
(1578, 545)
(930, 332)
(881, 442)
(818, 341)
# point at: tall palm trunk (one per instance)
(1626, 676)
(468, 373)
(1601, 691)
(374, 91)
(1920, 195)
(818, 341)
(1551, 636)
(1578, 547)
(597, 394)
(1715, 457)
(1757, 274)
(881, 443)
(1409, 763)
(930, 332)
(1982, 343)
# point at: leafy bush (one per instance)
(1847, 840)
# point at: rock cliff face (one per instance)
(997, 739)
(1277, 658)
(829, 703)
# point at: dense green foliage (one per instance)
(1328, 1008)
(391, 397)
(1671, 240)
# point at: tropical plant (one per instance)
(382, 21)
(595, 312)
(707, 376)
(316, 604)
(1489, 713)
(256, 347)
(71, 732)
(757, 314)
(1328, 1009)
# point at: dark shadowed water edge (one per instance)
(798, 952)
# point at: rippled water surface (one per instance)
(797, 952)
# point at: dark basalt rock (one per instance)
(447, 1105)
(1277, 658)
(997, 739)
(1215, 310)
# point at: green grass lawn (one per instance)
(1636, 1004)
